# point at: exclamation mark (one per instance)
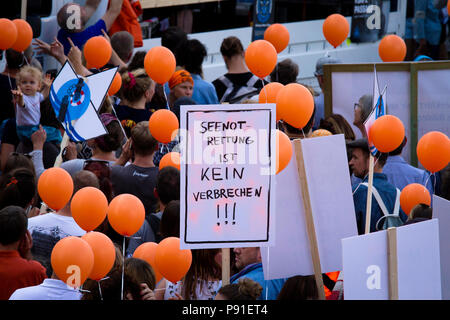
(226, 213)
(218, 215)
(234, 212)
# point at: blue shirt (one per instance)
(426, 22)
(254, 271)
(204, 91)
(80, 38)
(388, 194)
(400, 173)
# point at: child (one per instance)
(27, 100)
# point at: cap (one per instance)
(359, 143)
(322, 61)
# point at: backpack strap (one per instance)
(378, 198)
(227, 82)
(252, 81)
(397, 203)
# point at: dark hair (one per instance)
(421, 211)
(285, 72)
(336, 124)
(142, 140)
(175, 39)
(17, 187)
(137, 62)
(18, 160)
(382, 158)
(123, 44)
(168, 184)
(140, 271)
(14, 59)
(399, 150)
(299, 288)
(103, 172)
(203, 267)
(194, 53)
(13, 224)
(170, 220)
(231, 46)
(113, 139)
(245, 289)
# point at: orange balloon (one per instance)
(147, 252)
(412, 195)
(126, 214)
(55, 187)
(335, 29)
(104, 254)
(284, 151)
(392, 48)
(172, 262)
(269, 93)
(171, 159)
(72, 260)
(433, 151)
(89, 206)
(160, 63)
(115, 85)
(24, 35)
(97, 51)
(163, 125)
(295, 105)
(278, 35)
(8, 33)
(261, 58)
(387, 133)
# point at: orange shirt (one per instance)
(128, 21)
(16, 273)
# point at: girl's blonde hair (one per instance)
(134, 84)
(33, 71)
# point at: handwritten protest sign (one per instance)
(227, 176)
(76, 101)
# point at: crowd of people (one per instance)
(126, 160)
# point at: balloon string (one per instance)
(167, 100)
(100, 290)
(26, 60)
(264, 88)
(376, 160)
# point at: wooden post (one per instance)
(309, 219)
(392, 263)
(225, 266)
(23, 11)
(369, 195)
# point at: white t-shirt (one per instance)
(46, 230)
(30, 113)
(50, 289)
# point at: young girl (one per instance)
(27, 100)
(137, 89)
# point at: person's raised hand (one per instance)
(146, 292)
(38, 138)
(74, 54)
(17, 97)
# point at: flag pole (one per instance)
(369, 194)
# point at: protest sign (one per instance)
(441, 211)
(330, 203)
(76, 101)
(227, 176)
(398, 263)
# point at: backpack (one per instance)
(237, 94)
(388, 220)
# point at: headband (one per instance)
(179, 77)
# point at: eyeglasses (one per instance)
(100, 168)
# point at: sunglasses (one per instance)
(17, 154)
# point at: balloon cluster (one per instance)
(16, 34)
(93, 255)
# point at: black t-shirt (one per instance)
(137, 181)
(129, 117)
(7, 107)
(238, 80)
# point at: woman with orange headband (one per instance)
(181, 84)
